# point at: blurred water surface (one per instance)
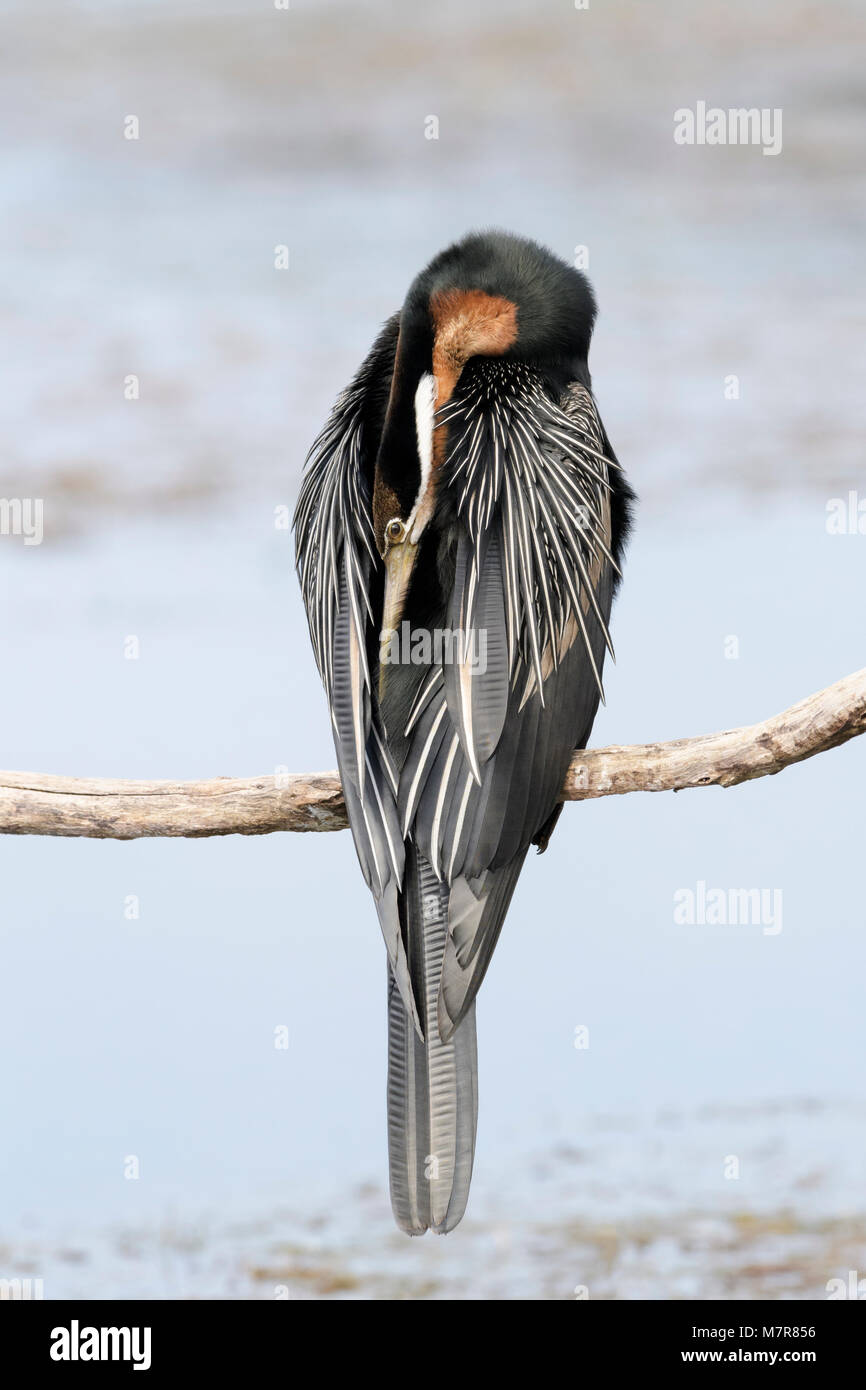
(154, 1036)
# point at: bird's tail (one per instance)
(432, 1086)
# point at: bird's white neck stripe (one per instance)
(425, 407)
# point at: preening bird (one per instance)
(458, 536)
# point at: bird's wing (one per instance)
(337, 561)
(492, 732)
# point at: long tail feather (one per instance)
(432, 1086)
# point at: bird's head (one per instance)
(490, 295)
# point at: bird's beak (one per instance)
(399, 564)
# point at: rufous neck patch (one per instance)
(468, 323)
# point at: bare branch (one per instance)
(33, 804)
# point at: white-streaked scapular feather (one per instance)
(424, 693)
(332, 518)
(544, 484)
(533, 571)
(336, 557)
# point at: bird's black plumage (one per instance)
(459, 533)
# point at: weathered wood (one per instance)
(37, 804)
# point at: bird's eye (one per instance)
(395, 531)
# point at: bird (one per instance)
(459, 533)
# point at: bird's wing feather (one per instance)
(336, 561)
(492, 728)
(533, 581)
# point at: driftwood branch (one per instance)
(32, 804)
